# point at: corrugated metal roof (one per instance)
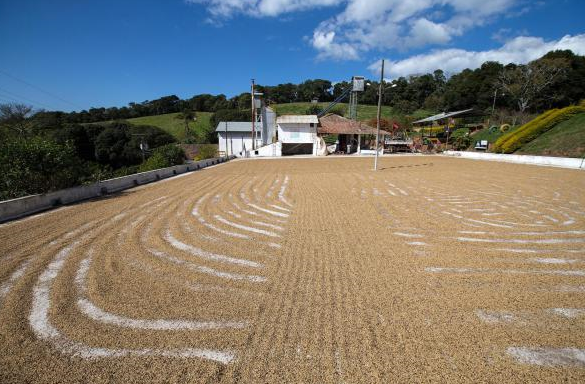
(297, 119)
(237, 126)
(441, 116)
(335, 124)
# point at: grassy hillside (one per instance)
(364, 112)
(491, 137)
(171, 124)
(565, 139)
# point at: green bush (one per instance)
(512, 141)
(206, 151)
(163, 157)
(36, 165)
(461, 139)
(314, 109)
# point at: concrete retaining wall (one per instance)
(270, 150)
(564, 162)
(12, 209)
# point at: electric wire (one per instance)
(40, 89)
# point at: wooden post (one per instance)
(226, 140)
(378, 116)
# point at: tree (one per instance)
(524, 83)
(36, 165)
(186, 116)
(14, 119)
(162, 157)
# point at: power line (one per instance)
(40, 89)
(15, 97)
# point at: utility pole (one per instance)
(378, 116)
(143, 145)
(253, 118)
(226, 141)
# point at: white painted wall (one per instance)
(236, 142)
(270, 150)
(564, 162)
(289, 133)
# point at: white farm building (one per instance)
(236, 137)
(298, 134)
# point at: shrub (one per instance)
(432, 130)
(35, 165)
(162, 157)
(461, 139)
(512, 141)
(314, 109)
(206, 151)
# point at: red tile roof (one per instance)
(335, 124)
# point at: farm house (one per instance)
(352, 136)
(298, 134)
(236, 136)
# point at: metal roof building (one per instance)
(238, 126)
(338, 125)
(444, 115)
(297, 119)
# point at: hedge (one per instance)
(512, 141)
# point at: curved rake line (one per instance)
(282, 191)
(252, 213)
(273, 226)
(548, 356)
(279, 207)
(520, 241)
(509, 271)
(206, 270)
(44, 330)
(270, 212)
(245, 227)
(195, 213)
(95, 313)
(14, 277)
(208, 255)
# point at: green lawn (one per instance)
(485, 134)
(364, 112)
(171, 124)
(566, 139)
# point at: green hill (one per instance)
(175, 126)
(491, 137)
(364, 112)
(565, 139)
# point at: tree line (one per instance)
(45, 150)
(556, 80)
(36, 157)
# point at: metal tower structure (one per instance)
(357, 85)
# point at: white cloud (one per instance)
(424, 31)
(261, 8)
(365, 25)
(323, 42)
(521, 49)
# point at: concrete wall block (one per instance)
(15, 208)
(564, 162)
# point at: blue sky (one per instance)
(77, 54)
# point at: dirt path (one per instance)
(308, 270)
